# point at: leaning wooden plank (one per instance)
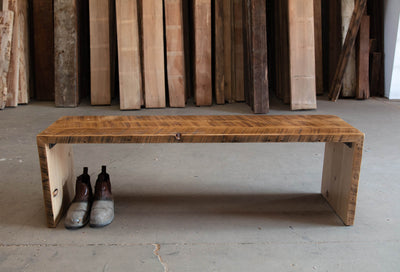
(100, 65)
(66, 85)
(202, 52)
(302, 55)
(24, 62)
(175, 53)
(376, 66)
(6, 30)
(238, 73)
(333, 34)
(319, 67)
(228, 50)
(43, 55)
(362, 91)
(347, 47)
(153, 53)
(349, 77)
(130, 74)
(13, 70)
(219, 72)
(255, 41)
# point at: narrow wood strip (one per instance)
(202, 52)
(130, 74)
(24, 60)
(175, 53)
(153, 53)
(348, 45)
(66, 81)
(319, 67)
(238, 51)
(219, 52)
(6, 30)
(363, 91)
(350, 75)
(228, 50)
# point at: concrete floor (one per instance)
(215, 207)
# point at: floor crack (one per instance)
(156, 252)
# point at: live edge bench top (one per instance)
(200, 129)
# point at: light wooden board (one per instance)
(175, 53)
(130, 74)
(66, 81)
(350, 75)
(153, 53)
(202, 52)
(24, 61)
(238, 73)
(6, 30)
(228, 51)
(319, 65)
(302, 55)
(13, 70)
(219, 72)
(100, 65)
(363, 90)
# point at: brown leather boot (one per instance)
(102, 212)
(78, 212)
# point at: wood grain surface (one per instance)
(200, 129)
(6, 30)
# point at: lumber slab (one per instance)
(6, 31)
(319, 65)
(347, 47)
(24, 51)
(153, 53)
(302, 55)
(363, 90)
(130, 74)
(219, 52)
(255, 56)
(66, 55)
(238, 73)
(202, 52)
(175, 53)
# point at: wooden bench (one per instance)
(342, 160)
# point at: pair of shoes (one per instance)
(97, 209)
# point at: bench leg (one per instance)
(340, 178)
(56, 166)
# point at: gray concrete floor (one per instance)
(215, 207)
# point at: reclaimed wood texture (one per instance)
(362, 91)
(202, 52)
(66, 76)
(347, 47)
(130, 74)
(43, 55)
(255, 54)
(228, 51)
(319, 65)
(100, 64)
(302, 55)
(334, 42)
(341, 173)
(199, 129)
(237, 47)
(13, 69)
(6, 30)
(153, 53)
(350, 75)
(219, 52)
(175, 53)
(24, 51)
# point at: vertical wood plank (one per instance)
(153, 53)
(175, 53)
(219, 73)
(202, 51)
(6, 30)
(43, 55)
(66, 81)
(13, 70)
(362, 91)
(319, 67)
(334, 43)
(255, 48)
(376, 67)
(100, 65)
(302, 55)
(347, 47)
(238, 51)
(349, 77)
(24, 62)
(228, 56)
(130, 75)
(341, 173)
